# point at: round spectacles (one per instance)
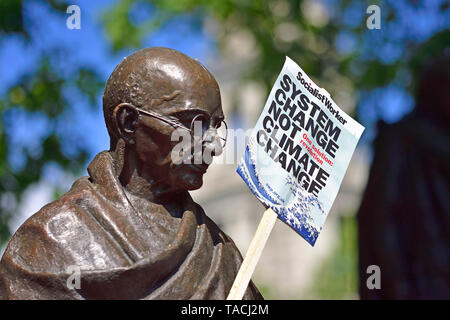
(200, 126)
(201, 123)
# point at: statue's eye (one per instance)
(181, 119)
(191, 120)
(186, 121)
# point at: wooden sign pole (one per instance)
(253, 254)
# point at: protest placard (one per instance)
(295, 160)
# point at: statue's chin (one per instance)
(188, 177)
(191, 181)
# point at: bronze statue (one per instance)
(131, 227)
(404, 218)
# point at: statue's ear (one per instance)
(126, 120)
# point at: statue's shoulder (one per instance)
(46, 233)
(80, 191)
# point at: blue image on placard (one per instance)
(298, 212)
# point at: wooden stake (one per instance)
(253, 254)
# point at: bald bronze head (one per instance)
(150, 94)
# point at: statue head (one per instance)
(153, 93)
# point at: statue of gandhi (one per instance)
(130, 230)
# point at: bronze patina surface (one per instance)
(131, 226)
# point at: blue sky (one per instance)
(84, 126)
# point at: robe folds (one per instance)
(118, 249)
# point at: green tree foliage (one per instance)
(38, 93)
(277, 28)
(302, 30)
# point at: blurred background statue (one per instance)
(131, 229)
(404, 219)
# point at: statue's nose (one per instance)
(212, 143)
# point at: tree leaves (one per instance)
(41, 91)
